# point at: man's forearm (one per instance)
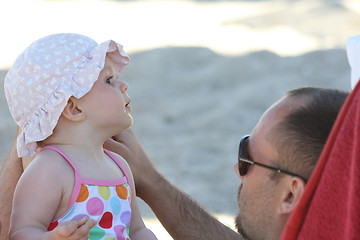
(9, 175)
(181, 216)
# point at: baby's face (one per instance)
(107, 103)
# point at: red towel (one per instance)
(330, 205)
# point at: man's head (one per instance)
(289, 136)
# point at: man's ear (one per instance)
(73, 111)
(294, 189)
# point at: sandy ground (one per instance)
(201, 75)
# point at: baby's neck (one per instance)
(91, 148)
(83, 152)
(78, 137)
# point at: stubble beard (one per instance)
(239, 226)
(252, 222)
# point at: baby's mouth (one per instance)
(127, 105)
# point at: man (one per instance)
(275, 162)
(289, 136)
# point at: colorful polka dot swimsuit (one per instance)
(106, 201)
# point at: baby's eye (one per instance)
(109, 80)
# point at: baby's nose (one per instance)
(124, 86)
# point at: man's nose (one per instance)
(236, 169)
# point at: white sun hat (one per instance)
(47, 74)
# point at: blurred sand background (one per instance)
(201, 75)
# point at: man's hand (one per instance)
(128, 146)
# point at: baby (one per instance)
(65, 94)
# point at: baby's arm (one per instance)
(37, 198)
(138, 230)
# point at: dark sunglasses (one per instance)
(244, 162)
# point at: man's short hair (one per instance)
(303, 133)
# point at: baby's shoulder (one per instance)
(50, 157)
(50, 163)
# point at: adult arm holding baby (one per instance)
(181, 216)
(10, 173)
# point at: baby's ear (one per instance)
(72, 111)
